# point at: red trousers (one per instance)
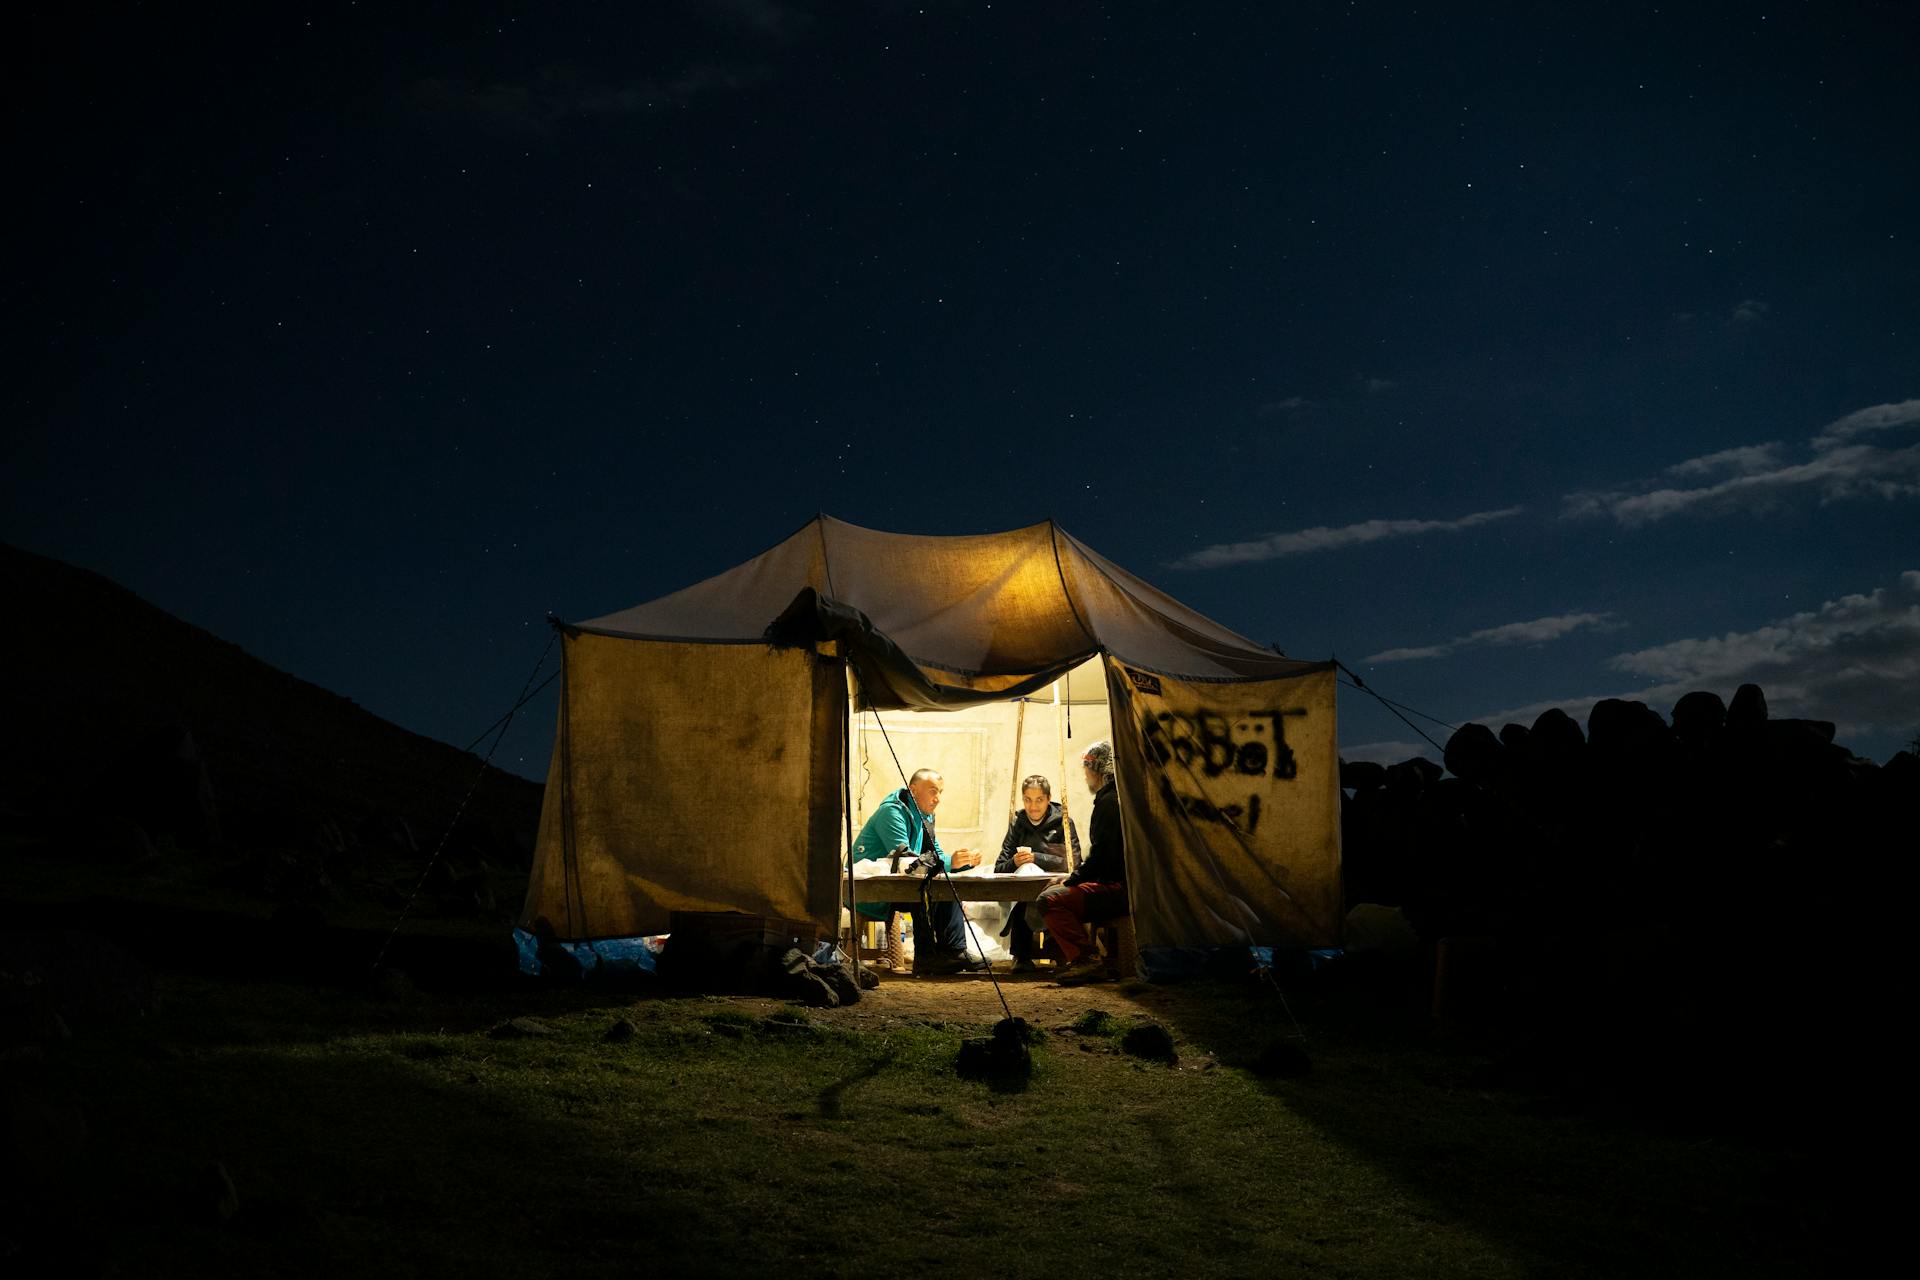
(1068, 914)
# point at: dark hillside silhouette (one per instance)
(130, 734)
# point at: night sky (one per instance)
(1517, 359)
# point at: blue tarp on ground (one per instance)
(612, 957)
(599, 958)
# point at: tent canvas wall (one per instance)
(707, 741)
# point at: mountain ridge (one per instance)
(103, 681)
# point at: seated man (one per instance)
(1040, 826)
(1097, 891)
(904, 821)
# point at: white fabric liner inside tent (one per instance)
(983, 753)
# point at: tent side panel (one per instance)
(698, 773)
(826, 798)
(1229, 800)
(546, 884)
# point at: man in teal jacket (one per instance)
(904, 821)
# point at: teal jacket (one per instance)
(895, 821)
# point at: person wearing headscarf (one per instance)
(1097, 890)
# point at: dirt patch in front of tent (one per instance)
(1203, 1021)
(968, 1003)
(970, 999)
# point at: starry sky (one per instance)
(1518, 357)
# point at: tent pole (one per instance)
(846, 808)
(1060, 733)
(1019, 737)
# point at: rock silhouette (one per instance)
(1685, 876)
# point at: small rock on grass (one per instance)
(1002, 1056)
(622, 1030)
(1093, 1022)
(1149, 1040)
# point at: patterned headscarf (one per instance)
(1099, 758)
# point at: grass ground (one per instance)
(385, 1132)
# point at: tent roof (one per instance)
(985, 612)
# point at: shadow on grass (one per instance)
(338, 1162)
(349, 1150)
(1601, 1165)
(829, 1101)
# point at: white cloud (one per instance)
(1879, 417)
(1273, 546)
(1854, 661)
(1409, 655)
(1749, 311)
(1853, 471)
(1533, 631)
(1756, 478)
(1745, 460)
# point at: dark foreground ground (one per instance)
(276, 1110)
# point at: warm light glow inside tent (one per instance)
(715, 746)
(983, 753)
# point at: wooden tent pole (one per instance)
(846, 801)
(1019, 736)
(1060, 733)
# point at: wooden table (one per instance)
(971, 888)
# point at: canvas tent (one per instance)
(715, 747)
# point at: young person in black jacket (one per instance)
(1097, 891)
(1041, 827)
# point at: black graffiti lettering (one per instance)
(1216, 742)
(1205, 810)
(1182, 744)
(1220, 745)
(1285, 766)
(1168, 737)
(1165, 739)
(1154, 738)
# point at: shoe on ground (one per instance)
(1024, 965)
(1084, 970)
(940, 964)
